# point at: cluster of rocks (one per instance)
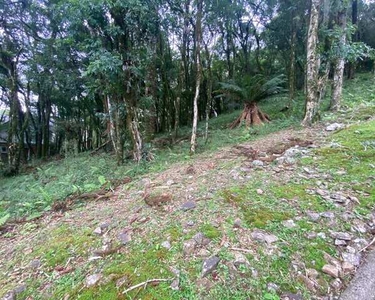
(340, 198)
(291, 155)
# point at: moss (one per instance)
(210, 231)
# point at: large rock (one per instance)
(342, 236)
(210, 265)
(352, 258)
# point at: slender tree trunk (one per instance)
(355, 38)
(209, 91)
(339, 63)
(312, 72)
(292, 67)
(199, 74)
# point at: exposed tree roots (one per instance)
(251, 115)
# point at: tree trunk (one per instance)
(339, 63)
(251, 115)
(199, 74)
(292, 67)
(355, 38)
(209, 91)
(312, 75)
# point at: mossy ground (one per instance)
(67, 240)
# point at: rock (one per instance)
(257, 163)
(189, 247)
(190, 223)
(240, 259)
(312, 273)
(189, 205)
(290, 296)
(342, 236)
(313, 216)
(311, 235)
(203, 253)
(359, 226)
(35, 264)
(289, 224)
(237, 223)
(11, 295)
(272, 287)
(331, 271)
(347, 267)
(321, 235)
(201, 240)
(93, 280)
(335, 126)
(354, 259)
(260, 192)
(210, 265)
(336, 285)
(328, 215)
(166, 245)
(175, 285)
(124, 237)
(97, 231)
(122, 281)
(104, 226)
(204, 284)
(340, 242)
(310, 285)
(262, 236)
(20, 289)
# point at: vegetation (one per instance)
(179, 149)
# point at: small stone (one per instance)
(93, 280)
(340, 242)
(237, 223)
(209, 265)
(312, 273)
(189, 247)
(260, 192)
(20, 289)
(35, 264)
(328, 215)
(331, 270)
(11, 295)
(289, 224)
(124, 238)
(262, 236)
(201, 240)
(313, 216)
(354, 259)
(290, 296)
(342, 236)
(190, 223)
(97, 231)
(272, 287)
(359, 226)
(240, 259)
(203, 253)
(334, 127)
(170, 182)
(122, 281)
(307, 282)
(336, 284)
(166, 245)
(175, 285)
(257, 163)
(189, 205)
(104, 226)
(347, 267)
(311, 235)
(321, 235)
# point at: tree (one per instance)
(250, 91)
(313, 65)
(198, 37)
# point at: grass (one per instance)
(144, 258)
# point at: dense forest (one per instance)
(82, 75)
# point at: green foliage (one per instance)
(253, 89)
